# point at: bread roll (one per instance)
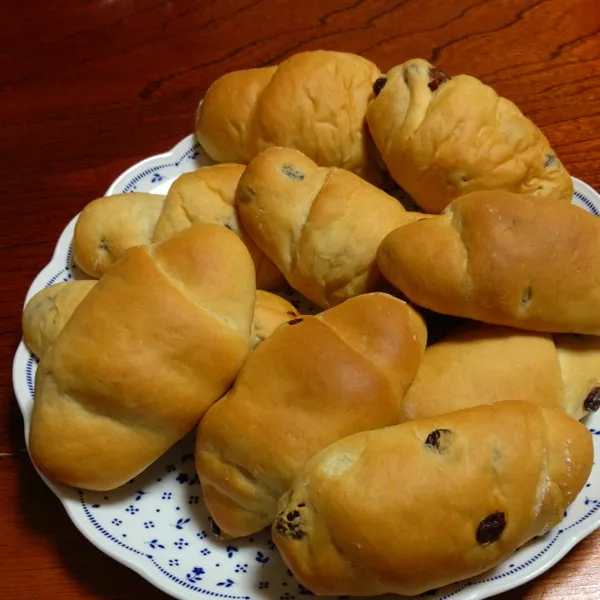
(427, 503)
(157, 340)
(313, 101)
(270, 312)
(320, 226)
(48, 311)
(503, 259)
(313, 381)
(481, 364)
(442, 137)
(110, 225)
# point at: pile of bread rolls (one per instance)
(381, 463)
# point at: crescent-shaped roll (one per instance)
(48, 311)
(110, 225)
(442, 137)
(481, 364)
(503, 259)
(313, 101)
(417, 506)
(320, 226)
(158, 339)
(313, 381)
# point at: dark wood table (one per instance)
(89, 87)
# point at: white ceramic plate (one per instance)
(157, 524)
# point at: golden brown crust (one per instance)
(441, 138)
(320, 226)
(313, 101)
(503, 259)
(158, 339)
(48, 311)
(110, 225)
(480, 364)
(456, 494)
(207, 195)
(310, 383)
(270, 312)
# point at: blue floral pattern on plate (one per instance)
(157, 523)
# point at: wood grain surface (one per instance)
(89, 87)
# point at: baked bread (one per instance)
(481, 364)
(313, 101)
(442, 137)
(313, 381)
(270, 312)
(417, 506)
(207, 195)
(503, 259)
(110, 225)
(47, 313)
(157, 340)
(320, 226)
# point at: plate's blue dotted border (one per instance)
(192, 153)
(588, 203)
(170, 576)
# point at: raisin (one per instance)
(549, 160)
(433, 439)
(293, 173)
(592, 402)
(292, 515)
(526, 296)
(379, 85)
(436, 78)
(491, 528)
(295, 321)
(289, 529)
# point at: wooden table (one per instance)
(87, 88)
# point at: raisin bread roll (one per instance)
(443, 137)
(313, 381)
(502, 259)
(320, 226)
(47, 313)
(313, 101)
(417, 506)
(157, 340)
(481, 364)
(110, 225)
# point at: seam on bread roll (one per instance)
(457, 224)
(180, 287)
